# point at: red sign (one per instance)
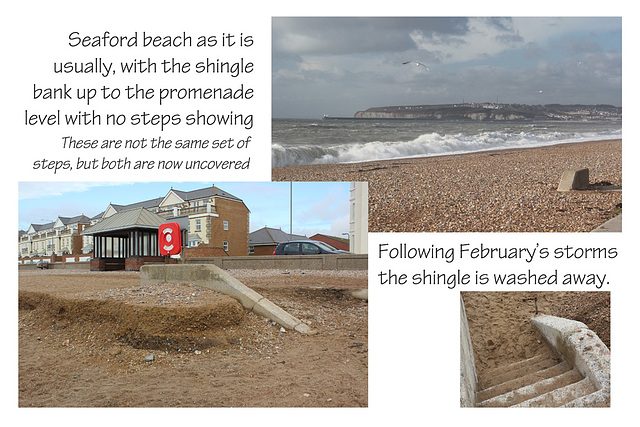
(169, 238)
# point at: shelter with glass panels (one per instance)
(126, 240)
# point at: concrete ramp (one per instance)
(212, 277)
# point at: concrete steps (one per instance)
(538, 381)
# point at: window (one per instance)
(291, 249)
(198, 225)
(225, 225)
(310, 249)
(225, 246)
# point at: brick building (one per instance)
(216, 224)
(215, 219)
(264, 240)
(336, 242)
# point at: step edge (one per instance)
(544, 373)
(529, 389)
(570, 387)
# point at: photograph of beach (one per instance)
(458, 124)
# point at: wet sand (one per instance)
(512, 190)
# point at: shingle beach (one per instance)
(513, 190)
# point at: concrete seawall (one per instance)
(289, 262)
(468, 376)
(83, 265)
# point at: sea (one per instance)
(331, 141)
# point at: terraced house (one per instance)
(216, 224)
(59, 237)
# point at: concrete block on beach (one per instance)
(574, 179)
(213, 277)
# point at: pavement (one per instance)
(613, 225)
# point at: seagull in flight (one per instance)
(417, 64)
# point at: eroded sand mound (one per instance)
(65, 362)
(155, 327)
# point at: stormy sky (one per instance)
(337, 66)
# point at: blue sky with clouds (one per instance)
(318, 207)
(338, 66)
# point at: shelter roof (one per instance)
(127, 220)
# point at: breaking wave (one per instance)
(429, 144)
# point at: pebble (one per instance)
(258, 273)
(149, 358)
(157, 294)
(503, 191)
(186, 294)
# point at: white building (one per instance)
(59, 237)
(359, 218)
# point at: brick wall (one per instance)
(204, 251)
(76, 240)
(264, 250)
(333, 242)
(237, 214)
(134, 263)
(106, 264)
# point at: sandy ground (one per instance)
(84, 337)
(504, 190)
(501, 330)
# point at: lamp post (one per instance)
(348, 240)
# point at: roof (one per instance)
(64, 220)
(152, 203)
(75, 219)
(137, 218)
(195, 238)
(212, 191)
(39, 227)
(337, 239)
(271, 236)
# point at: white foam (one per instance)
(429, 144)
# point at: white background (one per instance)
(414, 331)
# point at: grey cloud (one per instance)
(341, 65)
(357, 35)
(579, 46)
(510, 38)
(533, 50)
(501, 23)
